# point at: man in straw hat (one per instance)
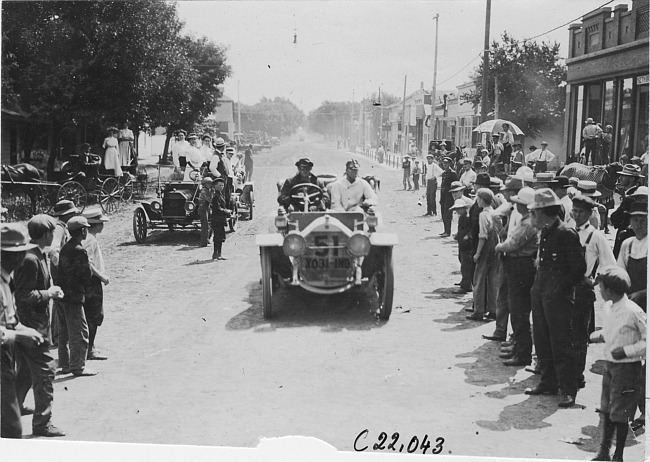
(12, 333)
(542, 157)
(519, 251)
(590, 136)
(34, 295)
(597, 255)
(621, 219)
(94, 303)
(75, 273)
(561, 267)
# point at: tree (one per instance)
(277, 117)
(531, 79)
(95, 63)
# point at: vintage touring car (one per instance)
(178, 208)
(326, 252)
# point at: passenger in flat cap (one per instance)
(303, 176)
(351, 193)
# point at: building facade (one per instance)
(607, 78)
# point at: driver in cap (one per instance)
(303, 176)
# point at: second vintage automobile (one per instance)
(326, 252)
(177, 209)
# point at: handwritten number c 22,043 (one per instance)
(413, 445)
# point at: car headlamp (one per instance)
(281, 221)
(294, 244)
(372, 220)
(189, 206)
(359, 244)
(156, 206)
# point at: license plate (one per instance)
(331, 263)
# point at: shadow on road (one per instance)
(188, 238)
(295, 307)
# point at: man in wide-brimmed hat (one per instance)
(598, 254)
(561, 267)
(542, 157)
(303, 175)
(629, 184)
(629, 178)
(446, 200)
(519, 250)
(13, 334)
(590, 136)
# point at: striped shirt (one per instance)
(625, 327)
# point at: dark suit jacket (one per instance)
(32, 279)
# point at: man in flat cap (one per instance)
(303, 175)
(35, 293)
(446, 199)
(12, 332)
(561, 265)
(74, 278)
(351, 193)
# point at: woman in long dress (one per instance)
(125, 138)
(111, 153)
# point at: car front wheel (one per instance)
(385, 285)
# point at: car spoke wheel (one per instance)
(109, 195)
(75, 192)
(16, 205)
(139, 226)
(43, 200)
(232, 221)
(267, 281)
(250, 205)
(385, 285)
(126, 186)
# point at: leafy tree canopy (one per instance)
(277, 117)
(531, 79)
(102, 62)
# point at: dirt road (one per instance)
(193, 362)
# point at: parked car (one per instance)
(326, 252)
(177, 209)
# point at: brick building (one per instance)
(608, 78)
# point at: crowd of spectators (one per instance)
(51, 298)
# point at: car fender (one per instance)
(144, 209)
(269, 240)
(383, 239)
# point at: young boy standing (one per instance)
(220, 215)
(205, 199)
(464, 238)
(624, 334)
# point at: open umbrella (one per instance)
(494, 126)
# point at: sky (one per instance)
(347, 50)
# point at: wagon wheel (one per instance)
(251, 201)
(16, 205)
(109, 195)
(42, 200)
(73, 191)
(267, 281)
(232, 221)
(126, 186)
(139, 226)
(141, 180)
(385, 281)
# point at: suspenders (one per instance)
(593, 272)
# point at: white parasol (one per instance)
(495, 126)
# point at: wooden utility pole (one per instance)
(404, 141)
(486, 63)
(496, 96)
(432, 119)
(238, 111)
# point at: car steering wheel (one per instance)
(306, 194)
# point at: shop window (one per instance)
(609, 113)
(641, 129)
(594, 101)
(578, 119)
(627, 115)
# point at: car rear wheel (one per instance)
(267, 281)
(139, 226)
(385, 285)
(250, 205)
